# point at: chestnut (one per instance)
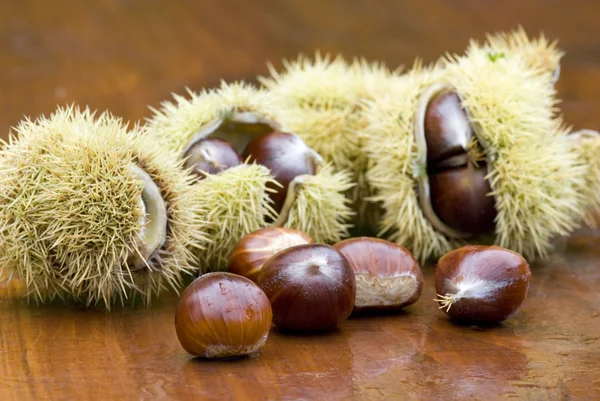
(461, 199)
(253, 250)
(481, 283)
(311, 288)
(456, 194)
(222, 315)
(212, 156)
(287, 156)
(447, 128)
(387, 275)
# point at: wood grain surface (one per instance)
(124, 55)
(549, 350)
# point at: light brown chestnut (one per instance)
(222, 315)
(481, 283)
(253, 250)
(387, 275)
(286, 156)
(211, 156)
(311, 288)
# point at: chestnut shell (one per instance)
(494, 282)
(311, 287)
(286, 156)
(222, 315)
(251, 253)
(387, 275)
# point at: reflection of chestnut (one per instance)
(222, 315)
(311, 287)
(447, 128)
(211, 156)
(387, 275)
(287, 156)
(251, 253)
(460, 199)
(481, 283)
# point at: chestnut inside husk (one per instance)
(454, 188)
(287, 157)
(212, 156)
(238, 131)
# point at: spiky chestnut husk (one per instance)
(586, 144)
(392, 172)
(534, 179)
(236, 203)
(240, 113)
(512, 109)
(72, 214)
(538, 54)
(321, 101)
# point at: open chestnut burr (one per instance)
(259, 139)
(455, 192)
(310, 287)
(481, 283)
(387, 275)
(251, 253)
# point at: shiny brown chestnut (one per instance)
(222, 315)
(447, 129)
(311, 288)
(212, 156)
(253, 250)
(481, 283)
(461, 198)
(387, 275)
(287, 156)
(456, 194)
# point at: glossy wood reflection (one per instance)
(549, 350)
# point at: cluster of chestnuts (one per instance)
(284, 154)
(457, 201)
(278, 275)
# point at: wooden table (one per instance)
(126, 54)
(549, 350)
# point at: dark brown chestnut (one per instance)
(222, 315)
(211, 156)
(311, 288)
(447, 129)
(387, 275)
(456, 194)
(481, 283)
(287, 156)
(461, 199)
(253, 250)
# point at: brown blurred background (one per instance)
(124, 55)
